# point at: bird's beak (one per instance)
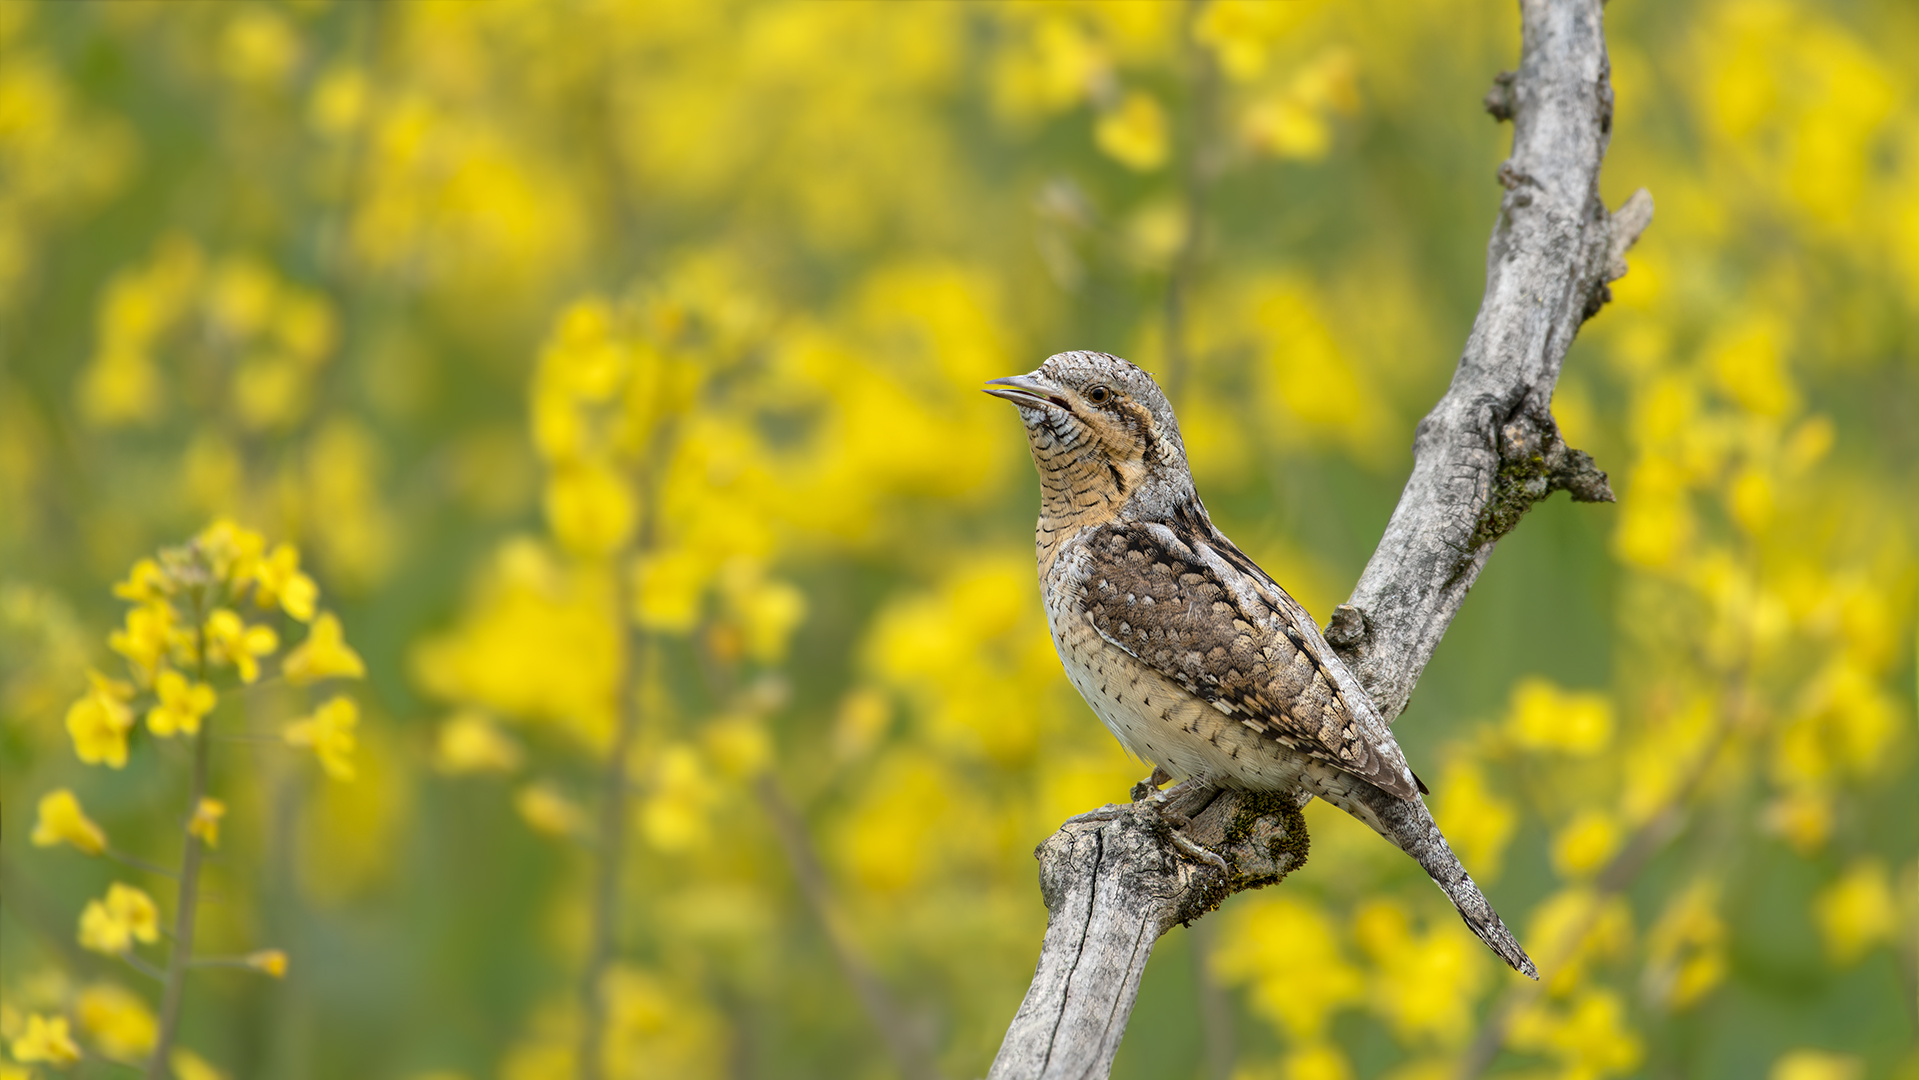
(1025, 391)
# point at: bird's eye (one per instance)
(1099, 395)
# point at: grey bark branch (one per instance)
(1484, 454)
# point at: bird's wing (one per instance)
(1186, 603)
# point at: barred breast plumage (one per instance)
(1191, 655)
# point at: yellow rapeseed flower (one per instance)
(323, 655)
(182, 703)
(675, 815)
(231, 641)
(590, 506)
(1591, 1037)
(548, 811)
(1585, 844)
(1545, 717)
(46, 1040)
(1426, 983)
(271, 961)
(329, 731)
(768, 609)
(1317, 1061)
(112, 925)
(146, 583)
(1686, 951)
(148, 637)
(470, 743)
(277, 580)
(1810, 1064)
(118, 1021)
(1287, 951)
(1571, 929)
(739, 746)
(61, 819)
(1803, 818)
(205, 822)
(1135, 133)
(1477, 821)
(188, 1065)
(1856, 912)
(230, 550)
(98, 723)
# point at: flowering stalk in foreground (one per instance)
(202, 614)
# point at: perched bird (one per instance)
(1191, 655)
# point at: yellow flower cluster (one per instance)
(186, 622)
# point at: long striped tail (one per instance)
(1407, 823)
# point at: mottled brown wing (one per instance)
(1151, 592)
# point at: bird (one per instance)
(1190, 654)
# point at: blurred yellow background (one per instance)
(612, 369)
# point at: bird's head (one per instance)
(1099, 425)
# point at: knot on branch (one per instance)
(1350, 634)
(1500, 100)
(1534, 462)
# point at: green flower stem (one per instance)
(181, 955)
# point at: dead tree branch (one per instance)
(1484, 454)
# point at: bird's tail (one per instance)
(1409, 824)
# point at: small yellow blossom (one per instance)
(98, 722)
(271, 961)
(1856, 912)
(1591, 1037)
(768, 609)
(739, 745)
(1317, 1061)
(188, 1065)
(548, 811)
(277, 580)
(148, 637)
(1809, 1064)
(1571, 929)
(230, 550)
(1804, 819)
(470, 743)
(231, 641)
(112, 925)
(118, 1021)
(323, 655)
(1425, 983)
(205, 822)
(1135, 133)
(46, 1039)
(674, 817)
(62, 819)
(182, 704)
(1477, 821)
(146, 583)
(591, 507)
(329, 731)
(1583, 846)
(1545, 717)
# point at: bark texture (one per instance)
(1114, 881)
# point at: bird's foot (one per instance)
(1165, 802)
(1150, 786)
(1168, 798)
(1191, 849)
